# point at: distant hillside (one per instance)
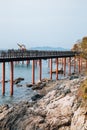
(49, 48)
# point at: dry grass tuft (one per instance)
(83, 90)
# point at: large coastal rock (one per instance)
(79, 120)
(59, 109)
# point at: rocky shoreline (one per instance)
(56, 107)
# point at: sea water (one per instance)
(24, 71)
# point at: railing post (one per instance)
(3, 78)
(33, 72)
(50, 68)
(11, 78)
(56, 68)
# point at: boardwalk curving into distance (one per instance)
(27, 55)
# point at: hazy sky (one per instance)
(57, 23)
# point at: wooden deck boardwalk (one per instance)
(19, 55)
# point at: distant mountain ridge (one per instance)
(49, 48)
(44, 48)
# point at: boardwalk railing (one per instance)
(33, 54)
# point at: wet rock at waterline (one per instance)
(29, 85)
(18, 80)
(36, 97)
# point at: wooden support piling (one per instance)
(3, 78)
(11, 78)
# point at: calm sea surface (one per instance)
(24, 71)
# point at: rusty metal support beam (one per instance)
(62, 62)
(64, 66)
(33, 71)
(56, 68)
(50, 68)
(11, 78)
(69, 66)
(74, 64)
(3, 78)
(40, 69)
